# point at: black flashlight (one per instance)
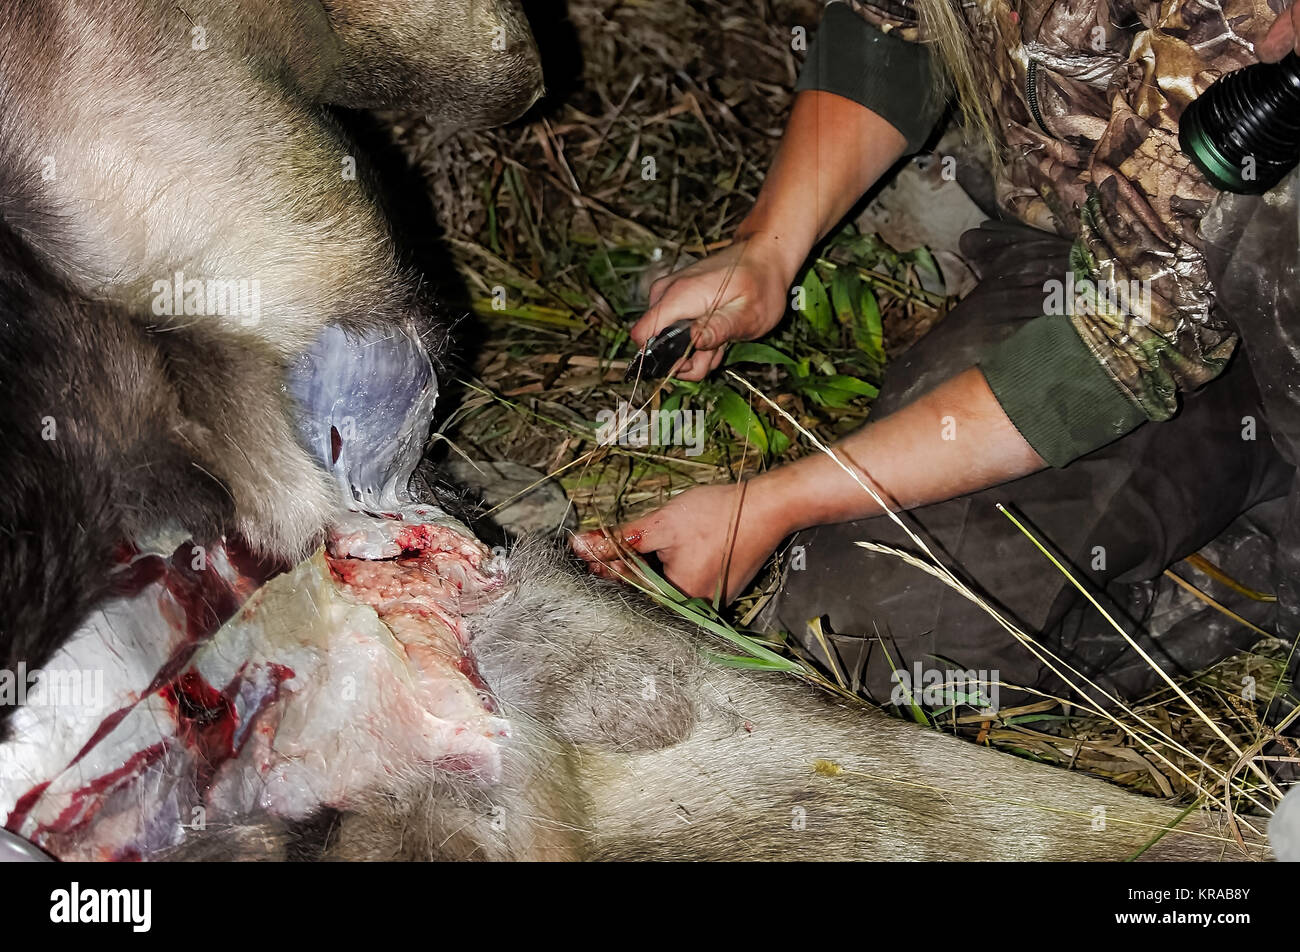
(1244, 132)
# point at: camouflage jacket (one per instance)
(1086, 100)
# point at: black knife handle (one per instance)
(663, 350)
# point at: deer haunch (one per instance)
(444, 704)
(183, 218)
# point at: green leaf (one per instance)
(749, 352)
(1035, 718)
(915, 709)
(728, 633)
(705, 608)
(846, 236)
(665, 587)
(701, 613)
(837, 390)
(672, 402)
(816, 304)
(737, 661)
(868, 330)
(828, 396)
(844, 286)
(778, 442)
(743, 421)
(925, 263)
(853, 385)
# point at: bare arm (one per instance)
(951, 441)
(832, 151)
(954, 440)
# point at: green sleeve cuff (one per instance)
(893, 78)
(1059, 396)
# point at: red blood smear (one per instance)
(180, 658)
(466, 666)
(206, 598)
(105, 727)
(134, 577)
(420, 538)
(206, 721)
(414, 538)
(255, 569)
(207, 601)
(456, 764)
(593, 544)
(336, 444)
(206, 718)
(24, 806)
(76, 816)
(343, 570)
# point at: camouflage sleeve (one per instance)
(1150, 319)
(1120, 339)
(874, 65)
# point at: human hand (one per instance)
(689, 535)
(1282, 37)
(737, 294)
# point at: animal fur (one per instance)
(144, 137)
(629, 746)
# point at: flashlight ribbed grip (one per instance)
(1244, 132)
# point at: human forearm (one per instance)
(832, 151)
(952, 441)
